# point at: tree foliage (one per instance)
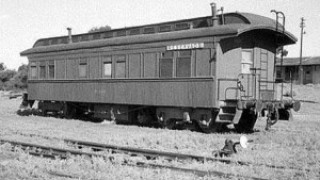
(12, 79)
(2, 67)
(99, 29)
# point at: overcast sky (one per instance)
(25, 21)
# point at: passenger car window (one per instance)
(42, 71)
(107, 70)
(166, 64)
(107, 67)
(83, 68)
(246, 61)
(33, 71)
(120, 66)
(51, 69)
(184, 64)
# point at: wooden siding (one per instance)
(188, 92)
(94, 67)
(134, 65)
(142, 84)
(60, 69)
(150, 65)
(229, 64)
(72, 68)
(203, 59)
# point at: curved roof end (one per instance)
(284, 37)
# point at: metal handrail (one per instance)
(225, 79)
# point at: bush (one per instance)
(13, 80)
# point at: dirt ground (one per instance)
(292, 144)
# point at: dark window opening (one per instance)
(149, 30)
(168, 54)
(121, 33)
(200, 23)
(166, 65)
(134, 31)
(75, 39)
(54, 41)
(182, 26)
(42, 72)
(51, 70)
(166, 68)
(64, 41)
(184, 64)
(185, 53)
(107, 35)
(46, 42)
(84, 37)
(96, 36)
(165, 28)
(278, 74)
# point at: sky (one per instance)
(22, 22)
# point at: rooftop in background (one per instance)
(295, 61)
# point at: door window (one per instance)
(246, 61)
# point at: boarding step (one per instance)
(228, 110)
(226, 116)
(229, 103)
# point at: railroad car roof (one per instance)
(235, 24)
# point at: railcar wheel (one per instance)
(170, 124)
(213, 128)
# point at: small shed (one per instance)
(290, 69)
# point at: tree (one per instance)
(20, 79)
(13, 80)
(5, 77)
(2, 67)
(99, 29)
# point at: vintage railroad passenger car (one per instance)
(204, 72)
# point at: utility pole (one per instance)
(302, 25)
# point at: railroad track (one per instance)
(54, 153)
(151, 154)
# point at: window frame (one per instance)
(33, 66)
(107, 60)
(120, 59)
(183, 57)
(51, 64)
(83, 63)
(246, 62)
(165, 57)
(42, 70)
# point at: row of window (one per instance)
(175, 26)
(117, 66)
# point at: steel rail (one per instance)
(153, 154)
(53, 153)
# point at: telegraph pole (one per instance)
(302, 25)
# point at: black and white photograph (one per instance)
(159, 89)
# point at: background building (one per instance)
(290, 69)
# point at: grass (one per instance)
(293, 144)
